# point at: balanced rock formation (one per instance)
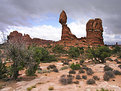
(66, 33)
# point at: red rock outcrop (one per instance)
(94, 31)
(66, 33)
(26, 39)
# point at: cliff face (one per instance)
(94, 35)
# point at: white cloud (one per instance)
(50, 32)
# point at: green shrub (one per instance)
(116, 49)
(102, 89)
(3, 70)
(58, 49)
(98, 54)
(84, 76)
(51, 88)
(81, 62)
(65, 67)
(75, 66)
(74, 52)
(72, 72)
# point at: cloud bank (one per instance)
(23, 15)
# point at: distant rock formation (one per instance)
(93, 37)
(26, 39)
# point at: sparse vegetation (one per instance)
(72, 72)
(108, 75)
(89, 71)
(116, 72)
(74, 52)
(30, 88)
(75, 66)
(84, 76)
(107, 68)
(96, 78)
(51, 88)
(81, 71)
(102, 89)
(91, 81)
(64, 67)
(64, 80)
(98, 54)
(78, 77)
(58, 49)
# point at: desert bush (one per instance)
(3, 70)
(98, 54)
(72, 72)
(81, 49)
(109, 59)
(96, 78)
(16, 53)
(119, 66)
(108, 75)
(30, 88)
(81, 62)
(55, 69)
(64, 67)
(75, 66)
(66, 80)
(84, 76)
(51, 88)
(51, 66)
(116, 49)
(90, 81)
(107, 68)
(78, 77)
(102, 89)
(42, 55)
(116, 72)
(81, 71)
(58, 49)
(89, 71)
(76, 82)
(74, 52)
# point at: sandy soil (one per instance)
(46, 80)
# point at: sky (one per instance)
(40, 18)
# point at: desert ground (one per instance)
(43, 81)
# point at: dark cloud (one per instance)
(19, 12)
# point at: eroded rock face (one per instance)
(26, 39)
(66, 33)
(94, 31)
(63, 18)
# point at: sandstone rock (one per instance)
(94, 32)
(26, 39)
(66, 33)
(63, 18)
